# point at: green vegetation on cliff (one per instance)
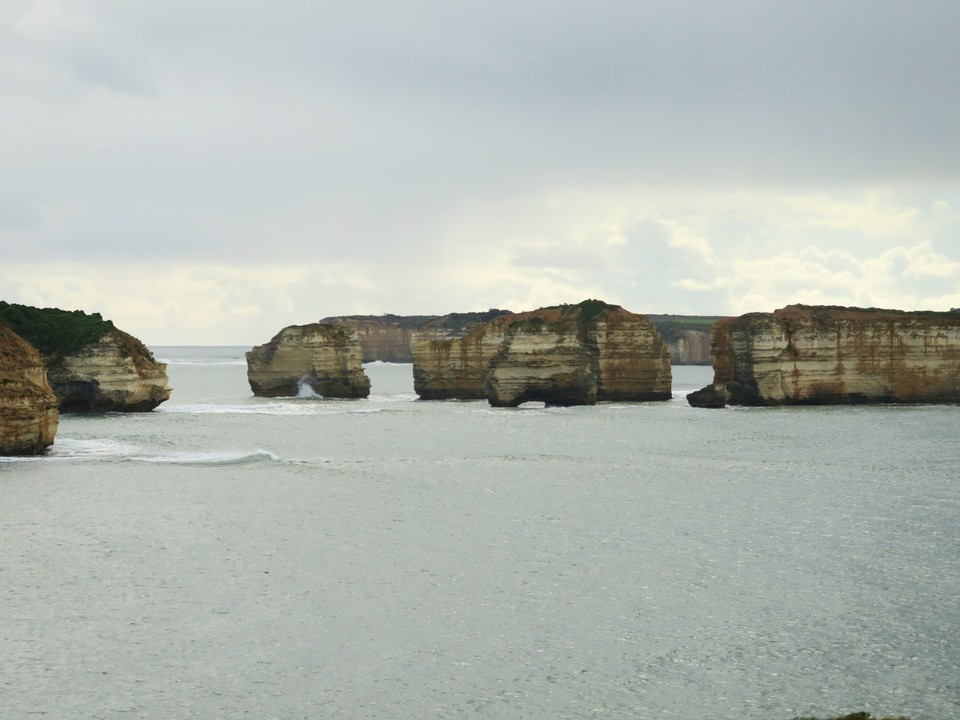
(672, 327)
(54, 332)
(589, 309)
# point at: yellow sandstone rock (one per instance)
(325, 358)
(803, 354)
(28, 407)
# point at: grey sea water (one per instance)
(234, 557)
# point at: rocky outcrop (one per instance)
(834, 355)
(452, 354)
(563, 355)
(92, 366)
(325, 358)
(388, 338)
(28, 407)
(384, 338)
(543, 359)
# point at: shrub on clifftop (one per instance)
(54, 332)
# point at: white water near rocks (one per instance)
(229, 556)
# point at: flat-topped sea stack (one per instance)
(92, 366)
(827, 355)
(29, 412)
(451, 355)
(325, 358)
(562, 355)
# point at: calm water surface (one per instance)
(236, 557)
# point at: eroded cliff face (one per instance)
(546, 361)
(633, 360)
(451, 359)
(29, 412)
(384, 338)
(116, 373)
(324, 357)
(565, 355)
(92, 366)
(834, 355)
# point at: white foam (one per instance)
(293, 406)
(207, 458)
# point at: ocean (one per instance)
(227, 556)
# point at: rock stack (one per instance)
(803, 354)
(323, 358)
(28, 408)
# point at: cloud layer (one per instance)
(207, 173)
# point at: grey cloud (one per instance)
(358, 130)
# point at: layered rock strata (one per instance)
(324, 358)
(29, 412)
(114, 374)
(92, 366)
(384, 338)
(451, 355)
(545, 361)
(804, 354)
(388, 338)
(564, 355)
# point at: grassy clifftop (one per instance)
(54, 332)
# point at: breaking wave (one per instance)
(207, 458)
(291, 407)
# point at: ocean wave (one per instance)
(64, 449)
(204, 362)
(89, 449)
(398, 397)
(293, 407)
(206, 458)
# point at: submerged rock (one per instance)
(325, 358)
(563, 355)
(804, 354)
(92, 366)
(29, 412)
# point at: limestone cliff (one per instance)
(28, 407)
(578, 355)
(564, 355)
(92, 366)
(834, 355)
(384, 338)
(451, 355)
(324, 357)
(388, 337)
(543, 359)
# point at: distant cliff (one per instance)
(687, 337)
(324, 357)
(383, 337)
(804, 354)
(92, 365)
(563, 355)
(387, 337)
(28, 407)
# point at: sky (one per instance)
(210, 172)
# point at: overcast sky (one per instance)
(210, 172)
